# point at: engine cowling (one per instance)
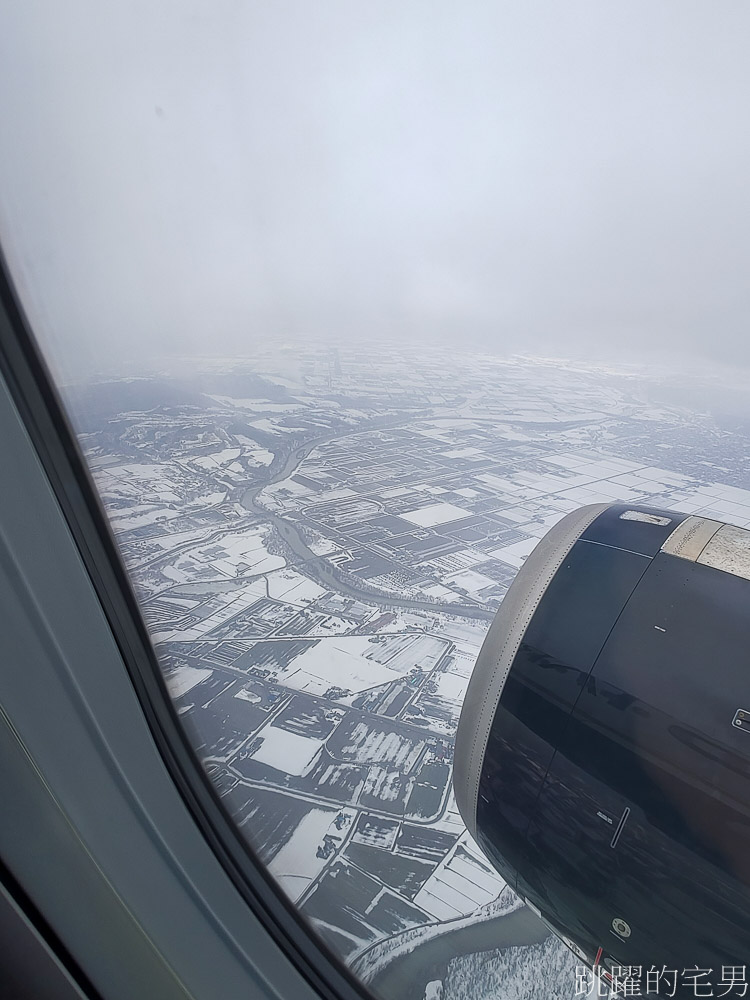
(602, 758)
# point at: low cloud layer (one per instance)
(568, 178)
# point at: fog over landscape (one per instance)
(556, 178)
(349, 305)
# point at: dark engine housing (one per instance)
(603, 754)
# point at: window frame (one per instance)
(35, 396)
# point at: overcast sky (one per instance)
(562, 176)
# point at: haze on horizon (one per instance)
(563, 178)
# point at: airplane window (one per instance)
(349, 307)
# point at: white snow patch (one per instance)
(436, 513)
(125, 522)
(293, 588)
(515, 554)
(471, 581)
(217, 459)
(181, 680)
(297, 864)
(344, 662)
(451, 686)
(287, 751)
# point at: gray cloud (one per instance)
(190, 177)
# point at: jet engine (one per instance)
(602, 759)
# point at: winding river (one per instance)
(319, 568)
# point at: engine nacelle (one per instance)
(603, 753)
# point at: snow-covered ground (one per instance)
(297, 863)
(478, 488)
(515, 554)
(470, 581)
(292, 588)
(239, 553)
(184, 678)
(342, 662)
(237, 601)
(287, 751)
(436, 513)
(545, 971)
(461, 883)
(218, 458)
(373, 959)
(451, 686)
(129, 520)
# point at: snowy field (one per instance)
(293, 588)
(183, 679)
(461, 883)
(353, 663)
(470, 581)
(515, 555)
(297, 863)
(241, 553)
(287, 752)
(451, 687)
(436, 513)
